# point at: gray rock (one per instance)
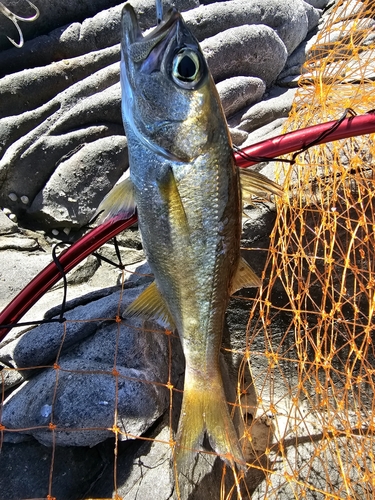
(266, 132)
(295, 61)
(145, 470)
(79, 183)
(86, 395)
(20, 243)
(65, 123)
(344, 30)
(41, 345)
(26, 470)
(240, 91)
(81, 37)
(83, 271)
(238, 136)
(290, 20)
(128, 257)
(20, 92)
(318, 4)
(82, 404)
(52, 14)
(17, 269)
(6, 225)
(9, 377)
(249, 50)
(277, 105)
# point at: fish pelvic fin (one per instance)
(255, 184)
(205, 412)
(119, 203)
(150, 304)
(244, 277)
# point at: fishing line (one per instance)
(159, 11)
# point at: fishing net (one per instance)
(310, 352)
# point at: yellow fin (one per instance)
(256, 184)
(119, 203)
(177, 216)
(245, 277)
(204, 411)
(150, 304)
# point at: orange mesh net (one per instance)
(310, 334)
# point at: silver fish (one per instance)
(186, 187)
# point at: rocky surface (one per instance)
(60, 120)
(62, 147)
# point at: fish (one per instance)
(186, 190)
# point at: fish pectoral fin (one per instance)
(119, 203)
(244, 277)
(256, 184)
(150, 304)
(177, 216)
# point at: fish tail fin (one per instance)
(205, 411)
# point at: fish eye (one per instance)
(186, 68)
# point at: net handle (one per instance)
(268, 149)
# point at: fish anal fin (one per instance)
(119, 203)
(151, 305)
(244, 277)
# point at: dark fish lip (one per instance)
(131, 26)
(134, 43)
(165, 26)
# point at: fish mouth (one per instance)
(139, 46)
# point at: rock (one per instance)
(74, 470)
(291, 21)
(83, 271)
(6, 225)
(80, 182)
(52, 14)
(238, 136)
(318, 4)
(83, 405)
(87, 111)
(240, 91)
(277, 104)
(272, 129)
(18, 242)
(130, 256)
(41, 345)
(20, 92)
(295, 61)
(146, 470)
(81, 37)
(9, 377)
(88, 390)
(17, 269)
(249, 50)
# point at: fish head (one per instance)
(169, 100)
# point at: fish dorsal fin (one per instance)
(256, 184)
(119, 203)
(245, 277)
(150, 304)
